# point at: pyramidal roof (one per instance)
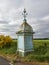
(25, 28)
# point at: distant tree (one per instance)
(2, 37)
(5, 41)
(8, 40)
(1, 44)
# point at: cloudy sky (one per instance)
(11, 16)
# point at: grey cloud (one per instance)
(11, 12)
(3, 22)
(38, 8)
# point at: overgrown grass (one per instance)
(40, 53)
(38, 43)
(9, 50)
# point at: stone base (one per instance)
(23, 54)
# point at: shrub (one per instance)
(5, 41)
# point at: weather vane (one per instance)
(24, 14)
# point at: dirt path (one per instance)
(3, 61)
(31, 63)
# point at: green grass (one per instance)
(41, 50)
(38, 43)
(9, 50)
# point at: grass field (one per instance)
(9, 50)
(41, 51)
(40, 42)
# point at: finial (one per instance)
(24, 14)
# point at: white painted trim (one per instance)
(25, 51)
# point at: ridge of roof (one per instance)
(25, 23)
